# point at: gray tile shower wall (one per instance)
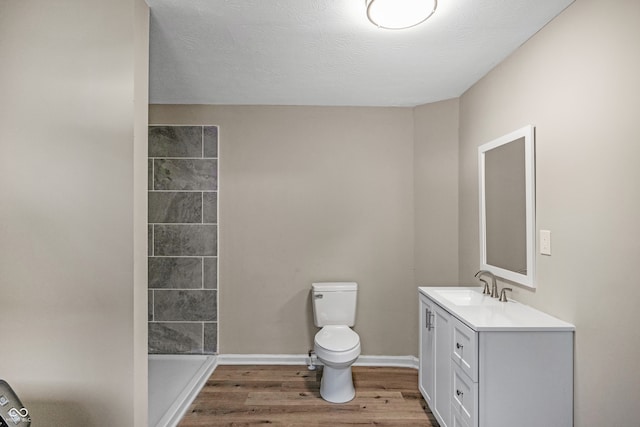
(183, 239)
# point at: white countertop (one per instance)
(488, 314)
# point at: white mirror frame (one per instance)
(527, 279)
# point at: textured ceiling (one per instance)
(326, 52)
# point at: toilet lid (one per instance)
(337, 338)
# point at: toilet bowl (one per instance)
(337, 347)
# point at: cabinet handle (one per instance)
(459, 393)
(459, 346)
(427, 319)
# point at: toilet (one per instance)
(336, 345)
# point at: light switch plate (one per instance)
(545, 242)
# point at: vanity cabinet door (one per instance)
(442, 408)
(434, 376)
(426, 378)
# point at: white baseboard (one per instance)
(303, 359)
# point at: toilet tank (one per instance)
(334, 303)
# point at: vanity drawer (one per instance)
(464, 399)
(464, 348)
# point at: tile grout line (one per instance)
(217, 345)
(182, 191)
(186, 223)
(182, 158)
(190, 322)
(183, 256)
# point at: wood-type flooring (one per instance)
(290, 396)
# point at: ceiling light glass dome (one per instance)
(399, 14)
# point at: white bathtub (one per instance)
(174, 382)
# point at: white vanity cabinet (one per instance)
(494, 364)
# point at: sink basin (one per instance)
(466, 297)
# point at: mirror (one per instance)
(507, 206)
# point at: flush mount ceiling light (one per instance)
(399, 14)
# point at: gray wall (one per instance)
(183, 249)
(73, 119)
(435, 165)
(577, 82)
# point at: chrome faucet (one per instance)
(494, 285)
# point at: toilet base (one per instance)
(336, 385)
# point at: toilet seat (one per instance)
(338, 345)
(337, 338)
